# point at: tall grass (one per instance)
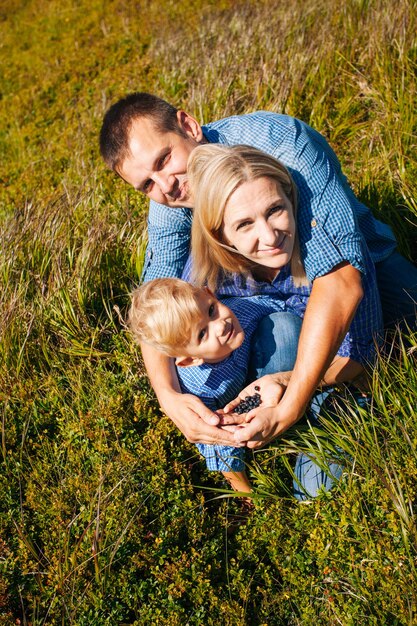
(100, 521)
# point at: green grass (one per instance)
(101, 519)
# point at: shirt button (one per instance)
(313, 222)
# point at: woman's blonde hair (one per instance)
(214, 173)
(163, 312)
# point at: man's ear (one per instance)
(190, 126)
(188, 361)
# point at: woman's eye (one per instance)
(242, 225)
(276, 209)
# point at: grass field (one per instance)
(107, 515)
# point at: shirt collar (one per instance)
(214, 136)
(205, 370)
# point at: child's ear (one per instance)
(188, 361)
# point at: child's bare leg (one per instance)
(238, 481)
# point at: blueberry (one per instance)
(250, 402)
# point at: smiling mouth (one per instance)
(180, 193)
(230, 333)
(175, 194)
(270, 251)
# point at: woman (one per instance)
(245, 241)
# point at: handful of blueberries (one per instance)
(249, 403)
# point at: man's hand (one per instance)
(189, 414)
(195, 420)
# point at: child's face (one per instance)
(215, 335)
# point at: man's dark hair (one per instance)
(117, 122)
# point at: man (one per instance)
(147, 142)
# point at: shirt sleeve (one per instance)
(327, 225)
(365, 333)
(169, 232)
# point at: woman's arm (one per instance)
(273, 386)
(330, 310)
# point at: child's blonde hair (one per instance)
(214, 173)
(163, 312)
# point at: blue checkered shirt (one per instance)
(330, 217)
(365, 330)
(218, 383)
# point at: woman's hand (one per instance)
(271, 388)
(265, 425)
(268, 421)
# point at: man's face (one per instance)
(157, 164)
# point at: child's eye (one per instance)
(211, 310)
(201, 334)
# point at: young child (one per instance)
(210, 342)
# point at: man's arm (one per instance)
(169, 232)
(168, 250)
(330, 310)
(189, 414)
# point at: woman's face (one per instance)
(259, 222)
